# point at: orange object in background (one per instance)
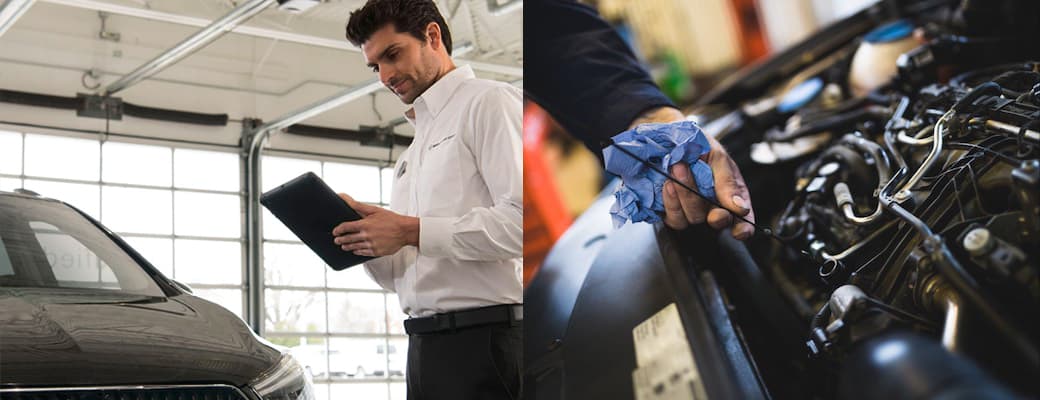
(545, 216)
(753, 43)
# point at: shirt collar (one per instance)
(437, 95)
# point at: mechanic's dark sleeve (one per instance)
(582, 72)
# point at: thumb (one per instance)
(362, 208)
(730, 188)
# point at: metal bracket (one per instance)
(106, 35)
(95, 106)
(249, 129)
(381, 136)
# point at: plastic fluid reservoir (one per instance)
(874, 63)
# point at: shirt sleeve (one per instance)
(381, 270)
(580, 70)
(496, 232)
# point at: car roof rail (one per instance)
(27, 192)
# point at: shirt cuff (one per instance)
(435, 236)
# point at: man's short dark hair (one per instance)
(410, 16)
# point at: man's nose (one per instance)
(385, 75)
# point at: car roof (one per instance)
(28, 194)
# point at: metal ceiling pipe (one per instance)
(339, 44)
(254, 228)
(194, 42)
(321, 106)
(497, 9)
(11, 11)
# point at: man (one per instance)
(451, 243)
(582, 72)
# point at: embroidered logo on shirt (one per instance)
(440, 141)
(404, 166)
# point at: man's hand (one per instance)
(683, 208)
(379, 233)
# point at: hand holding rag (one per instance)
(639, 197)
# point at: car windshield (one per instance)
(45, 244)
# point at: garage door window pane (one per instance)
(394, 316)
(358, 358)
(398, 357)
(292, 265)
(158, 252)
(62, 157)
(351, 278)
(201, 261)
(133, 210)
(356, 313)
(82, 196)
(367, 391)
(10, 153)
(208, 170)
(136, 164)
(398, 391)
(359, 181)
(294, 311)
(321, 391)
(230, 299)
(10, 184)
(278, 170)
(209, 215)
(310, 352)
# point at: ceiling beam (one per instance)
(341, 44)
(200, 39)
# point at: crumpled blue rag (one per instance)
(638, 198)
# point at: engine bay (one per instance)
(901, 205)
(893, 162)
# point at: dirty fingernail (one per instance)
(739, 201)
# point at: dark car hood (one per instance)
(50, 337)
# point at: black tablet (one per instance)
(311, 210)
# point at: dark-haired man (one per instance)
(451, 243)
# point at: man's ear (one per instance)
(433, 35)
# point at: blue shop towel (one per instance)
(638, 197)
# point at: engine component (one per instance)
(905, 366)
(874, 64)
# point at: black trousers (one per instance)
(476, 363)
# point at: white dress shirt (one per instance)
(463, 177)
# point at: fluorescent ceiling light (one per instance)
(10, 11)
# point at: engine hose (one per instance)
(916, 140)
(1017, 81)
(832, 123)
(959, 80)
(821, 317)
(884, 175)
(988, 88)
